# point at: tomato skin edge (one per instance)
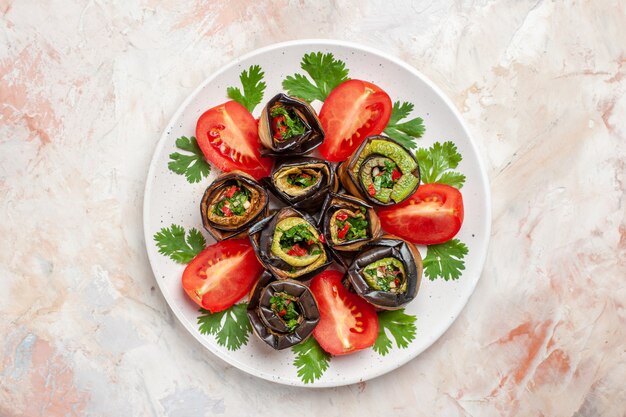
(428, 227)
(324, 333)
(249, 265)
(335, 149)
(263, 165)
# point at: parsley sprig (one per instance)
(407, 132)
(311, 360)
(230, 327)
(326, 73)
(179, 247)
(400, 325)
(253, 88)
(445, 260)
(193, 166)
(437, 164)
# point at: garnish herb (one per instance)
(286, 124)
(193, 166)
(326, 73)
(172, 242)
(400, 325)
(301, 180)
(437, 163)
(311, 360)
(445, 260)
(235, 201)
(230, 327)
(253, 88)
(405, 133)
(284, 305)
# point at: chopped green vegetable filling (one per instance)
(352, 228)
(286, 124)
(302, 180)
(285, 307)
(386, 274)
(235, 201)
(296, 234)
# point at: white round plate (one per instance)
(170, 199)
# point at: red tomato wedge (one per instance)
(222, 274)
(354, 110)
(228, 137)
(348, 323)
(434, 214)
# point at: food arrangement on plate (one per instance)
(316, 216)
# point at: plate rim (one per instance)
(163, 140)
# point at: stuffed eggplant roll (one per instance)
(289, 245)
(387, 273)
(381, 172)
(231, 204)
(302, 182)
(348, 223)
(289, 127)
(282, 313)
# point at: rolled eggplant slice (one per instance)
(289, 245)
(302, 182)
(282, 313)
(289, 127)
(348, 223)
(231, 204)
(387, 273)
(381, 172)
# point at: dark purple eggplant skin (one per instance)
(220, 232)
(262, 234)
(297, 145)
(387, 247)
(270, 328)
(314, 198)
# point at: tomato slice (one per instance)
(228, 137)
(354, 110)
(347, 323)
(222, 274)
(434, 214)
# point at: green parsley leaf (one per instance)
(194, 167)
(436, 163)
(326, 72)
(445, 260)
(408, 132)
(173, 243)
(311, 360)
(253, 88)
(400, 325)
(230, 327)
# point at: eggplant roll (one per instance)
(282, 313)
(289, 127)
(387, 273)
(348, 223)
(381, 172)
(231, 204)
(302, 182)
(289, 245)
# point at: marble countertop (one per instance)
(85, 91)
